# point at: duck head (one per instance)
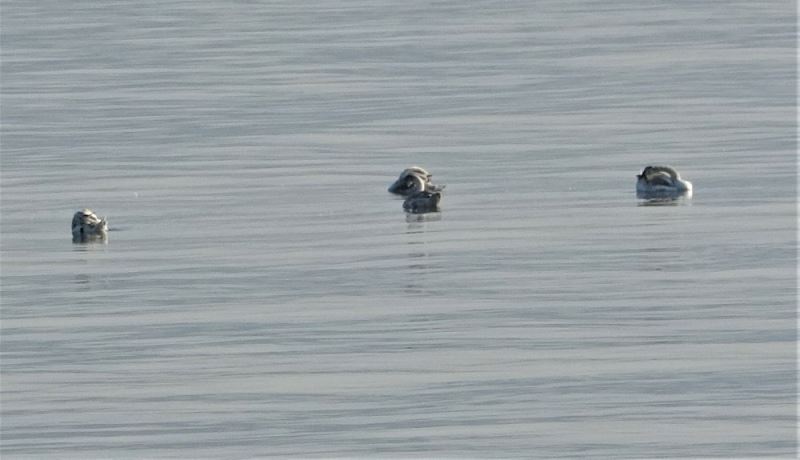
(86, 226)
(659, 175)
(662, 181)
(411, 180)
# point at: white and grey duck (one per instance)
(423, 201)
(413, 180)
(662, 182)
(87, 226)
(422, 196)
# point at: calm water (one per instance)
(261, 294)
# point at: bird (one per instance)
(423, 202)
(86, 226)
(413, 180)
(662, 182)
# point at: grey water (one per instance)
(261, 294)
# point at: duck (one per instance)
(86, 226)
(423, 201)
(412, 180)
(662, 182)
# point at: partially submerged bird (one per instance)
(423, 202)
(86, 226)
(662, 182)
(423, 198)
(413, 180)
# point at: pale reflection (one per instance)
(421, 218)
(84, 277)
(83, 282)
(656, 259)
(419, 270)
(90, 245)
(665, 201)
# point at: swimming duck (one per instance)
(661, 182)
(413, 180)
(86, 226)
(423, 201)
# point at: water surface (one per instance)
(261, 294)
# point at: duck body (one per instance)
(87, 226)
(423, 202)
(413, 180)
(662, 182)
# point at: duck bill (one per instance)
(397, 187)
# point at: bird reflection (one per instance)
(420, 267)
(87, 276)
(665, 202)
(417, 221)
